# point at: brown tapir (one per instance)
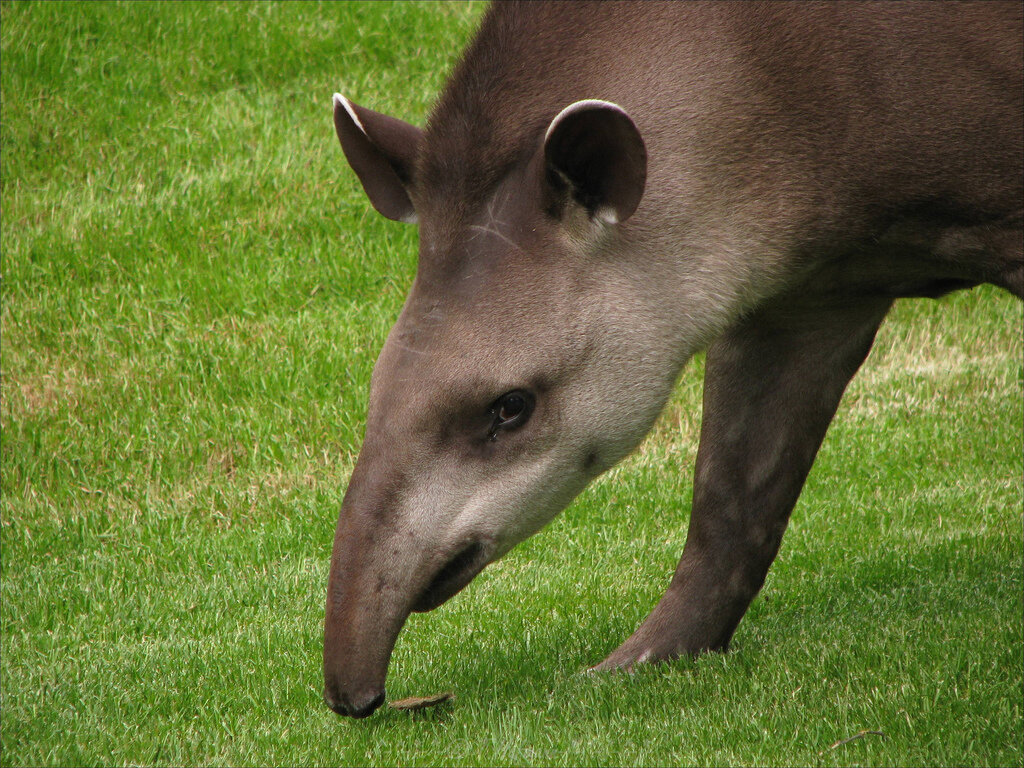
(604, 189)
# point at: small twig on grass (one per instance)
(861, 735)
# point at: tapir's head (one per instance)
(520, 368)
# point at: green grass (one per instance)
(194, 290)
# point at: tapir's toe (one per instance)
(613, 665)
(639, 650)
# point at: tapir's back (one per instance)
(886, 100)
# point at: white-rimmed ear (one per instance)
(382, 151)
(594, 155)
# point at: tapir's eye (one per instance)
(511, 410)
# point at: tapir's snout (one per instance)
(358, 705)
(382, 569)
(364, 614)
(359, 635)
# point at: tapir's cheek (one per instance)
(592, 464)
(486, 450)
(481, 443)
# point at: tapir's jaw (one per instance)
(453, 576)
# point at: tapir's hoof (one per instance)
(604, 668)
(644, 648)
(624, 660)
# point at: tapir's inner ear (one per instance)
(594, 155)
(382, 152)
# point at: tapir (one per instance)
(605, 189)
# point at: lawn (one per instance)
(194, 290)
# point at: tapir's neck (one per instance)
(491, 119)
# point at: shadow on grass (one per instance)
(854, 608)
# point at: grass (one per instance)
(194, 291)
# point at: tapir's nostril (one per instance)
(333, 703)
(357, 709)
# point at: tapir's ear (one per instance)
(382, 152)
(594, 155)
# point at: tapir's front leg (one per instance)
(772, 386)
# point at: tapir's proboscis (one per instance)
(605, 189)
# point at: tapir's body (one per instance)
(603, 190)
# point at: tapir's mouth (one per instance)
(452, 577)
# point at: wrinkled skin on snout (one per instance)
(510, 380)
